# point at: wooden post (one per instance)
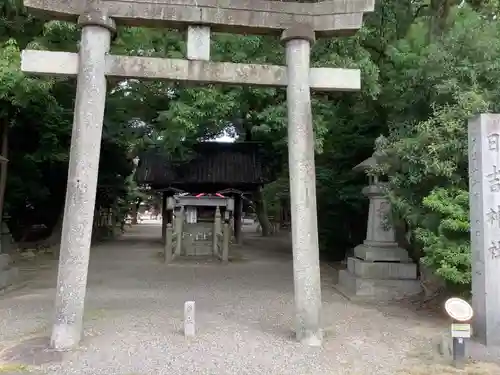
(133, 210)
(238, 210)
(3, 166)
(168, 243)
(225, 238)
(163, 217)
(217, 228)
(179, 228)
(169, 229)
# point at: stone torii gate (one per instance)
(297, 23)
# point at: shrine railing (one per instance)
(173, 239)
(221, 236)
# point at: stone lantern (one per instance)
(379, 269)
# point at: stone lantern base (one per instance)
(379, 269)
(379, 272)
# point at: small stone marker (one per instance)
(189, 326)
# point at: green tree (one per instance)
(433, 89)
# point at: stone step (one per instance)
(381, 270)
(381, 254)
(356, 287)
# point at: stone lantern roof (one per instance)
(371, 162)
(366, 164)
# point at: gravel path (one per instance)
(243, 315)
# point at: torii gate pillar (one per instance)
(307, 284)
(82, 179)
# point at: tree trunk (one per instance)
(261, 211)
(3, 167)
(135, 210)
(438, 19)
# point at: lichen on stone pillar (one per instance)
(82, 180)
(297, 40)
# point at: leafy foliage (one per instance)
(426, 66)
(434, 88)
(445, 235)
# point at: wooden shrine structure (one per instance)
(227, 169)
(187, 234)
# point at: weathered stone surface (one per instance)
(381, 254)
(381, 270)
(303, 195)
(97, 18)
(8, 277)
(484, 182)
(352, 287)
(6, 240)
(299, 31)
(5, 261)
(198, 43)
(81, 189)
(202, 72)
(189, 319)
(379, 229)
(197, 239)
(444, 345)
(328, 18)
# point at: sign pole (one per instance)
(461, 314)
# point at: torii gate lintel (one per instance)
(328, 18)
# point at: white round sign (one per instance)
(458, 309)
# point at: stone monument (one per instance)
(379, 269)
(298, 24)
(189, 322)
(484, 191)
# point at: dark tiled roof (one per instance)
(228, 164)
